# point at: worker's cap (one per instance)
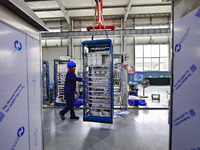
(71, 64)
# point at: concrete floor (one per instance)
(140, 129)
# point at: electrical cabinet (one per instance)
(45, 81)
(98, 81)
(60, 70)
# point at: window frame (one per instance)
(150, 57)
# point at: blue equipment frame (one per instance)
(45, 81)
(92, 83)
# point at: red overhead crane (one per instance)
(100, 25)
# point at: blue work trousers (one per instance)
(69, 106)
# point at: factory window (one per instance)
(152, 57)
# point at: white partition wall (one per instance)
(185, 125)
(20, 113)
(20, 81)
(34, 92)
(13, 88)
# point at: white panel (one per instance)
(160, 39)
(130, 24)
(86, 23)
(72, 3)
(90, 12)
(108, 22)
(142, 21)
(147, 1)
(76, 25)
(130, 54)
(44, 54)
(53, 24)
(77, 52)
(117, 23)
(43, 42)
(13, 89)
(49, 14)
(77, 42)
(155, 39)
(53, 42)
(116, 49)
(42, 5)
(64, 42)
(142, 40)
(186, 112)
(81, 12)
(160, 21)
(115, 2)
(65, 27)
(34, 96)
(150, 10)
(129, 40)
(116, 41)
(89, 3)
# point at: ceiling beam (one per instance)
(127, 10)
(130, 32)
(105, 7)
(63, 11)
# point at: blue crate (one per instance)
(133, 102)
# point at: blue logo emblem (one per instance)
(198, 13)
(177, 48)
(21, 131)
(193, 68)
(192, 113)
(1, 116)
(18, 45)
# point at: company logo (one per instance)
(184, 117)
(1, 116)
(18, 45)
(177, 47)
(20, 131)
(187, 75)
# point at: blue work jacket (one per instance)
(70, 84)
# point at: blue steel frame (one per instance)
(55, 84)
(46, 99)
(98, 43)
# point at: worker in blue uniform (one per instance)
(69, 91)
